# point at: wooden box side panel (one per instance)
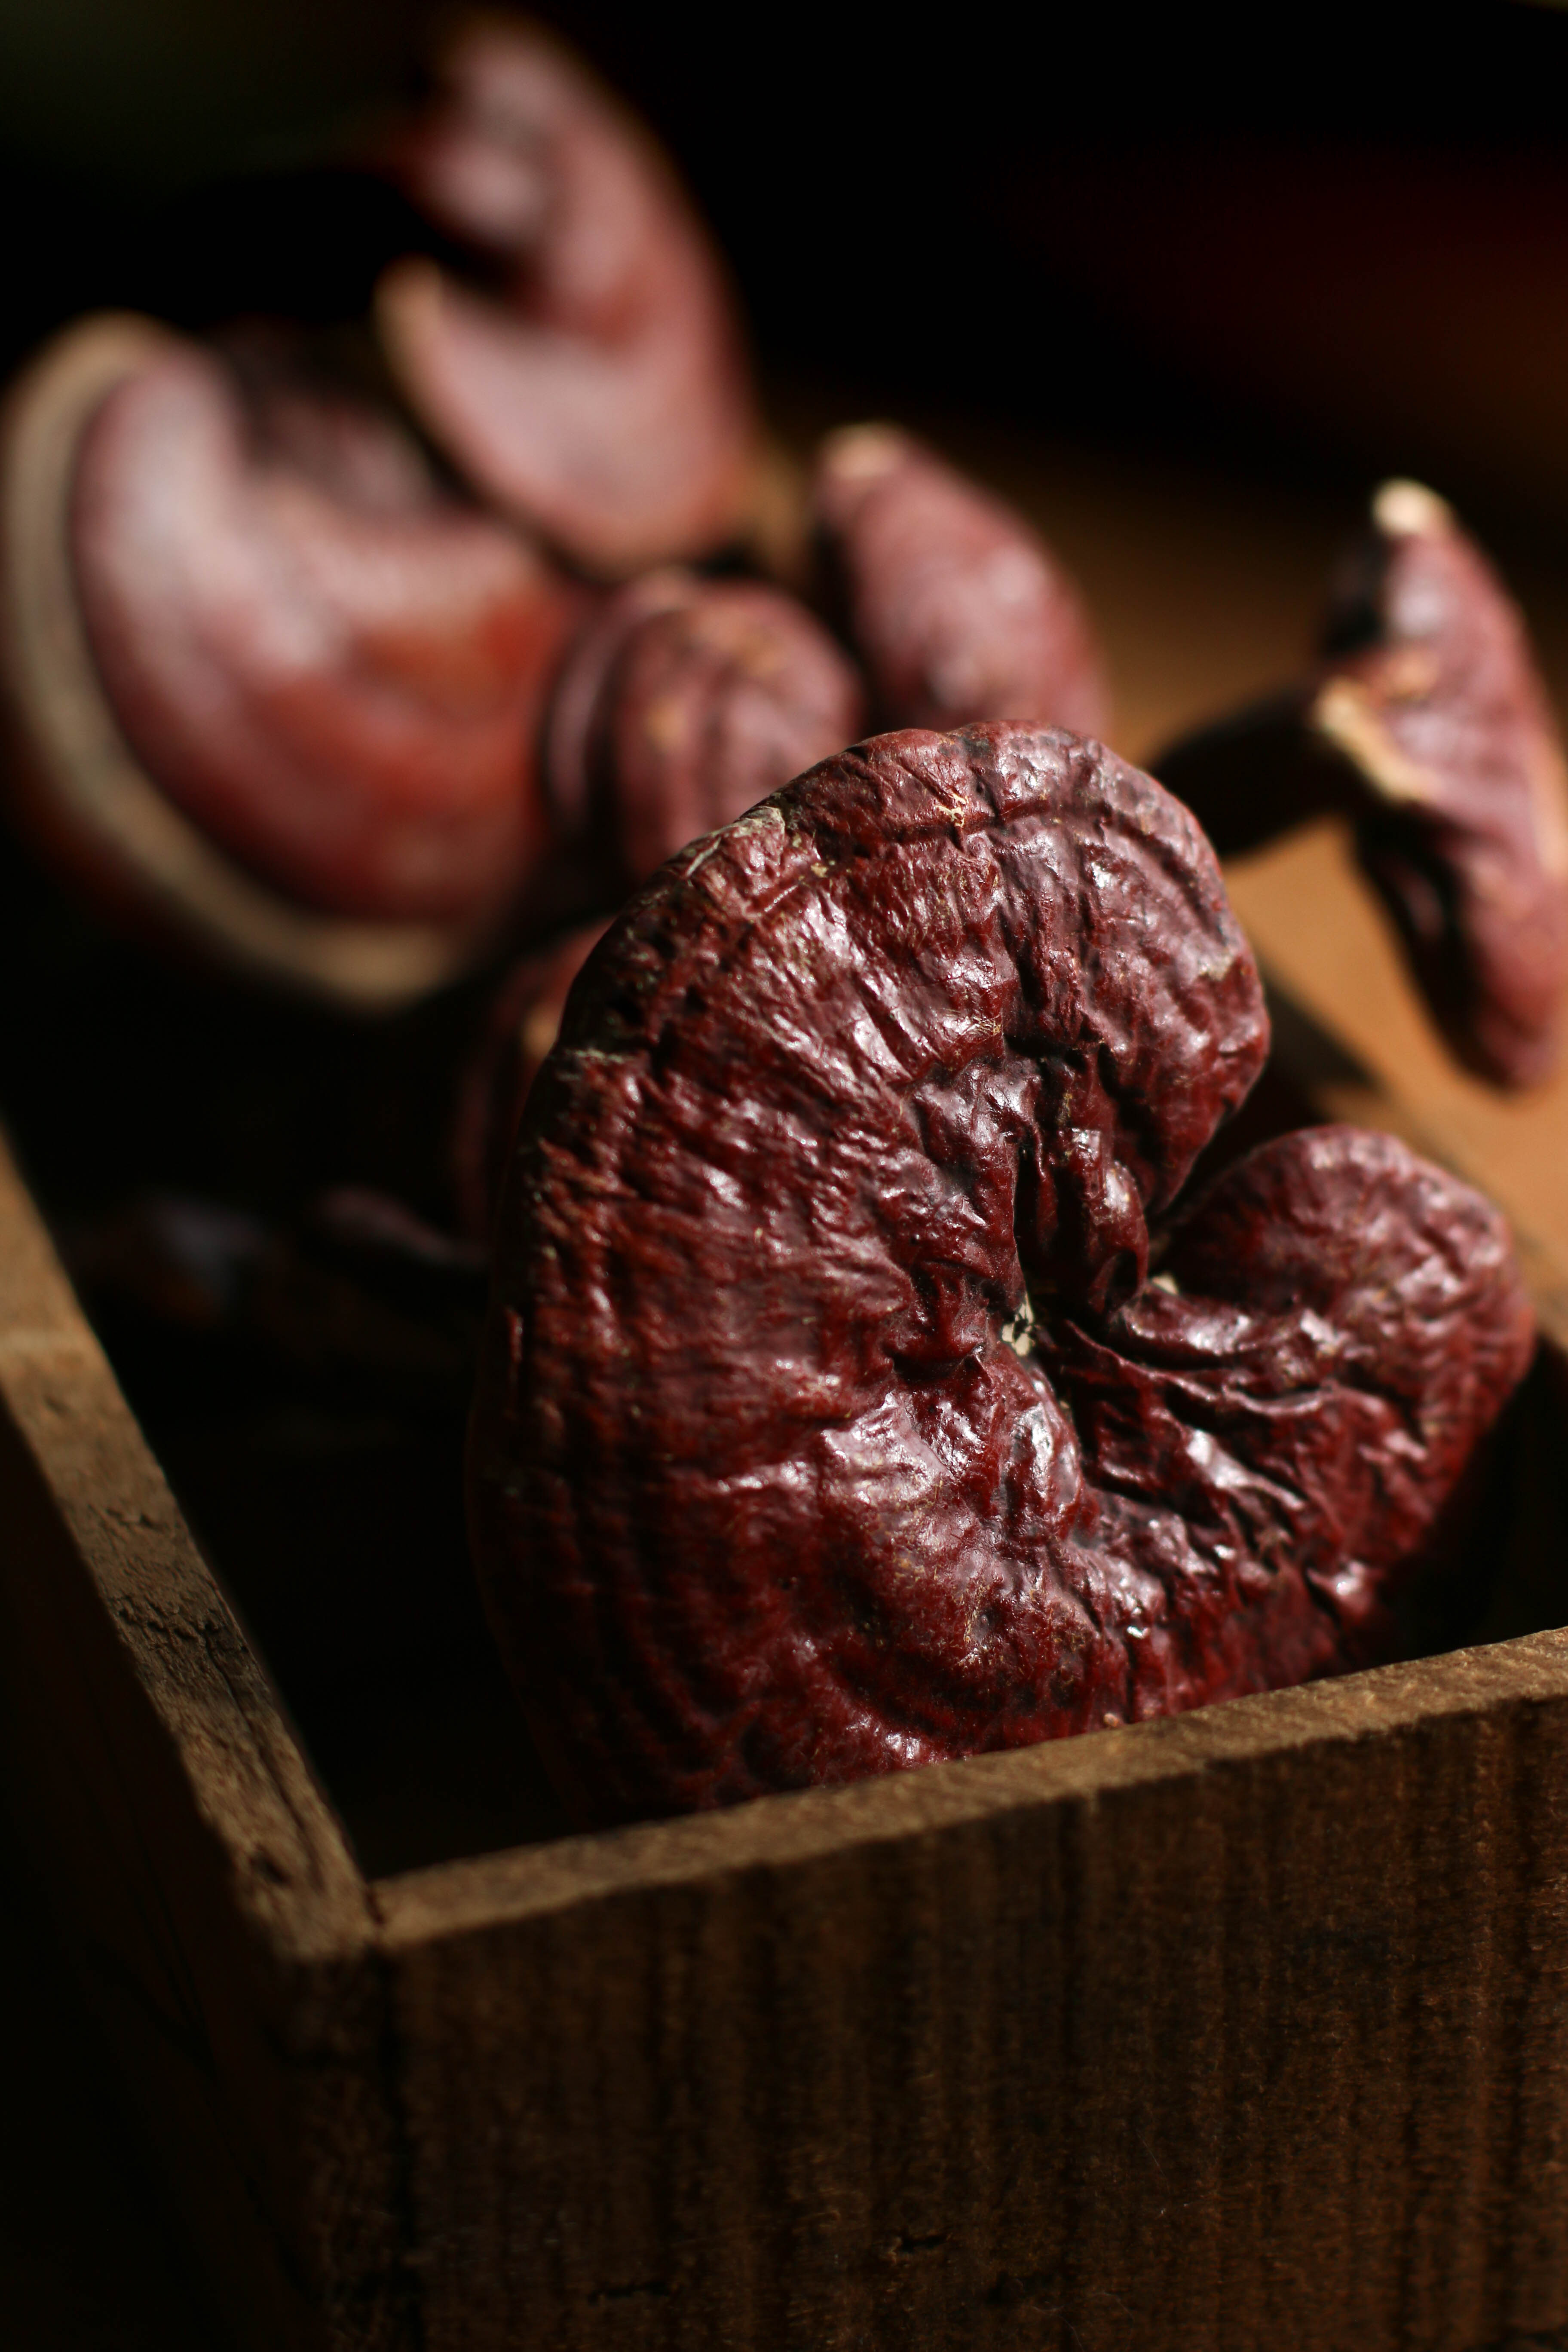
(1249, 2029)
(227, 1937)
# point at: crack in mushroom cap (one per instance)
(828, 1423)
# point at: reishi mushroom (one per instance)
(683, 702)
(950, 600)
(1427, 724)
(832, 1418)
(589, 376)
(275, 694)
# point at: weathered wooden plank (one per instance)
(227, 1937)
(1244, 2028)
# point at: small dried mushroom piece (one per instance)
(276, 694)
(684, 702)
(950, 600)
(596, 385)
(828, 1420)
(1427, 725)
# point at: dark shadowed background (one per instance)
(1347, 241)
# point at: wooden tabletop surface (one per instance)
(1206, 589)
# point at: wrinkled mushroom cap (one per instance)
(829, 1421)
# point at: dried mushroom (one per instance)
(685, 702)
(948, 596)
(831, 1419)
(275, 693)
(587, 374)
(1427, 724)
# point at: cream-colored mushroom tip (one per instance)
(861, 451)
(1410, 510)
(407, 292)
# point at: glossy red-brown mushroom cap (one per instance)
(684, 702)
(1426, 725)
(952, 601)
(333, 670)
(274, 697)
(1432, 695)
(829, 1422)
(597, 387)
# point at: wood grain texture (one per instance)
(224, 1928)
(1246, 2028)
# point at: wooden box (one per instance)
(1247, 2030)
